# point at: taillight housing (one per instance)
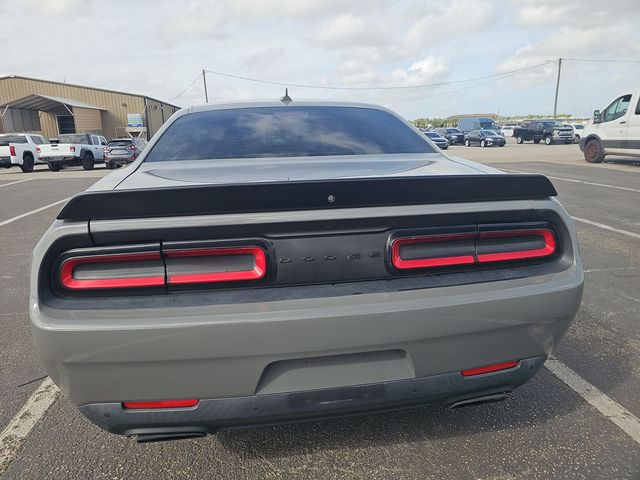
(72, 148)
(215, 265)
(472, 248)
(112, 271)
(100, 270)
(38, 150)
(12, 150)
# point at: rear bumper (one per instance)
(229, 350)
(211, 415)
(118, 160)
(5, 162)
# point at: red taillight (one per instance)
(123, 270)
(433, 248)
(224, 265)
(38, 149)
(160, 404)
(511, 251)
(496, 367)
(12, 150)
(153, 269)
(132, 147)
(72, 149)
(472, 248)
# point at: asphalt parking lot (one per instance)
(576, 419)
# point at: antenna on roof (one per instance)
(286, 99)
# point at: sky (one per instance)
(159, 48)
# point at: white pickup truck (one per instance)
(83, 149)
(615, 130)
(21, 149)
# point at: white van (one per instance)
(614, 131)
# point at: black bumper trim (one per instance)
(212, 415)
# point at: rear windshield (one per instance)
(75, 139)
(453, 130)
(7, 139)
(287, 131)
(119, 143)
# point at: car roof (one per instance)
(303, 103)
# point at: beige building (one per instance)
(53, 108)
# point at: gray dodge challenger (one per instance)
(263, 263)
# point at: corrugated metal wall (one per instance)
(20, 121)
(87, 120)
(116, 105)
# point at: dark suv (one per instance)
(121, 151)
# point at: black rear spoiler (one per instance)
(305, 195)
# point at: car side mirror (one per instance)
(596, 116)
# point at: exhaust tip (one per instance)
(467, 402)
(165, 437)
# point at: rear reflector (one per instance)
(472, 248)
(213, 265)
(122, 270)
(496, 367)
(160, 404)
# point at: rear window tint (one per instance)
(7, 139)
(119, 143)
(286, 131)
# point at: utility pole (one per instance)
(206, 95)
(555, 103)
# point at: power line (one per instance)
(396, 87)
(600, 60)
(188, 87)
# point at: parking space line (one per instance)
(23, 422)
(18, 217)
(608, 407)
(607, 227)
(17, 181)
(575, 180)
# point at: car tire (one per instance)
(593, 152)
(576, 139)
(548, 140)
(110, 165)
(536, 141)
(502, 145)
(54, 166)
(88, 161)
(467, 143)
(27, 163)
(519, 139)
(483, 143)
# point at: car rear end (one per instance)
(337, 286)
(120, 152)
(10, 148)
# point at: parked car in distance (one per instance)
(615, 130)
(328, 260)
(484, 138)
(122, 151)
(452, 134)
(468, 124)
(507, 130)
(438, 139)
(21, 149)
(83, 149)
(543, 130)
(577, 128)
